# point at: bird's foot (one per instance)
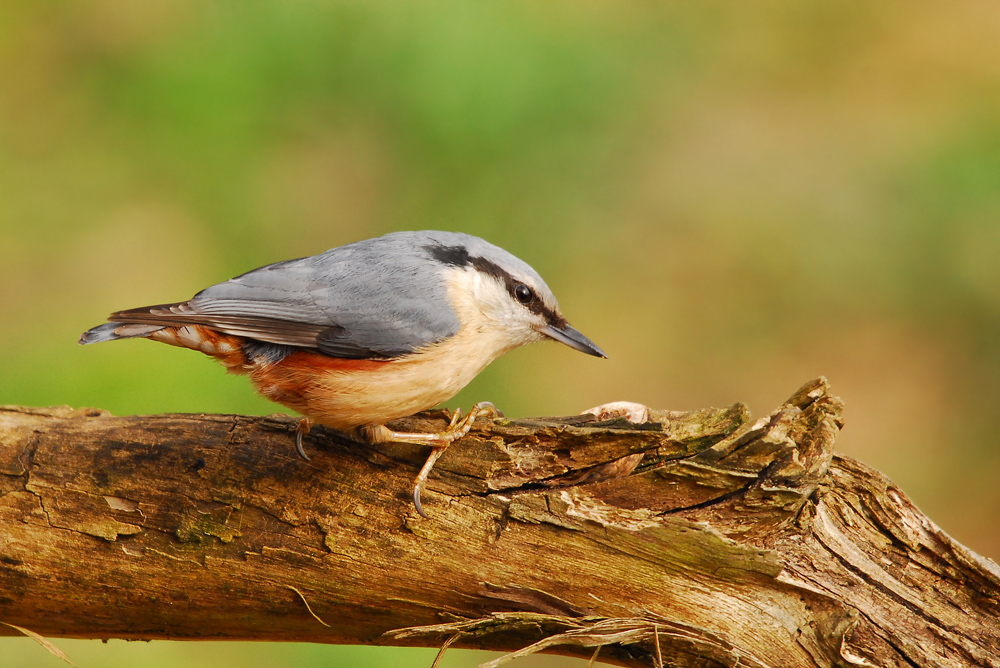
(305, 424)
(440, 441)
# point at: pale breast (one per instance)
(345, 394)
(344, 397)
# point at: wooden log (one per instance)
(701, 538)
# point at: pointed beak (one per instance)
(572, 338)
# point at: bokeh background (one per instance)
(731, 199)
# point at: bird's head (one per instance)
(503, 297)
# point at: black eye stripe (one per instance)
(459, 256)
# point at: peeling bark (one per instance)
(702, 538)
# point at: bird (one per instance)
(366, 333)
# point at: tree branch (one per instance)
(699, 539)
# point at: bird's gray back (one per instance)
(385, 295)
(378, 298)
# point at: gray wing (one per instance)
(363, 300)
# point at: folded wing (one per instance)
(346, 303)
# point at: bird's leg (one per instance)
(439, 442)
(305, 424)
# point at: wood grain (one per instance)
(704, 538)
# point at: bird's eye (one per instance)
(523, 294)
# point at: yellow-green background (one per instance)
(730, 198)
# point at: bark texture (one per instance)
(700, 538)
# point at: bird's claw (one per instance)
(457, 428)
(305, 425)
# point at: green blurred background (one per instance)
(730, 199)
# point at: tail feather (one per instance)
(112, 331)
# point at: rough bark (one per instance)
(702, 538)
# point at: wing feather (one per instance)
(379, 298)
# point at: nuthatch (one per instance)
(366, 333)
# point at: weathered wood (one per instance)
(705, 538)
